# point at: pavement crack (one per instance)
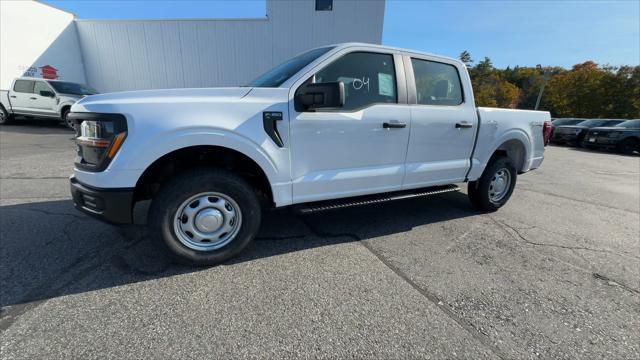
(76, 270)
(321, 233)
(519, 235)
(578, 200)
(46, 212)
(276, 238)
(612, 282)
(444, 307)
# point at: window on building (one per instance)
(23, 86)
(368, 78)
(40, 86)
(324, 5)
(436, 83)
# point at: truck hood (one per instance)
(71, 96)
(162, 96)
(571, 127)
(612, 128)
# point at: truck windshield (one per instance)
(279, 74)
(596, 123)
(560, 122)
(72, 88)
(630, 124)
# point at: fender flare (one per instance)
(147, 153)
(518, 135)
(63, 105)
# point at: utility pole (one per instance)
(546, 74)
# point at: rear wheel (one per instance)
(495, 186)
(629, 146)
(205, 216)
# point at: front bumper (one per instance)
(600, 141)
(110, 205)
(564, 138)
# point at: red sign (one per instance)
(49, 72)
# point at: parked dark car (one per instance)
(624, 137)
(574, 134)
(564, 121)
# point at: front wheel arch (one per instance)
(180, 160)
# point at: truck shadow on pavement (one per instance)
(36, 126)
(48, 249)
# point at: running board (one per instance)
(314, 207)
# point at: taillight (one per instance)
(546, 132)
(98, 139)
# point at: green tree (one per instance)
(490, 88)
(465, 57)
(586, 90)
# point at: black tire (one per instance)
(165, 206)
(65, 121)
(480, 190)
(629, 146)
(5, 117)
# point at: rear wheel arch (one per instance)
(515, 150)
(184, 159)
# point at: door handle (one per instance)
(463, 125)
(394, 125)
(13, 96)
(32, 98)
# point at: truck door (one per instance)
(20, 96)
(350, 151)
(45, 99)
(443, 122)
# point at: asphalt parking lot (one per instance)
(553, 274)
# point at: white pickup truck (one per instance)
(335, 126)
(41, 99)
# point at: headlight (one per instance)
(99, 137)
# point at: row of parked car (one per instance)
(612, 134)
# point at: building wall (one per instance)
(144, 54)
(33, 35)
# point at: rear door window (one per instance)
(24, 86)
(40, 86)
(436, 83)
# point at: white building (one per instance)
(114, 55)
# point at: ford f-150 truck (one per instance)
(40, 98)
(335, 126)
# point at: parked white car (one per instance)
(331, 124)
(41, 99)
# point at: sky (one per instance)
(525, 33)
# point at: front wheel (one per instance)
(205, 216)
(495, 186)
(65, 119)
(5, 118)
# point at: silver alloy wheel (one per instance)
(207, 221)
(499, 186)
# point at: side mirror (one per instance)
(320, 95)
(47, 93)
